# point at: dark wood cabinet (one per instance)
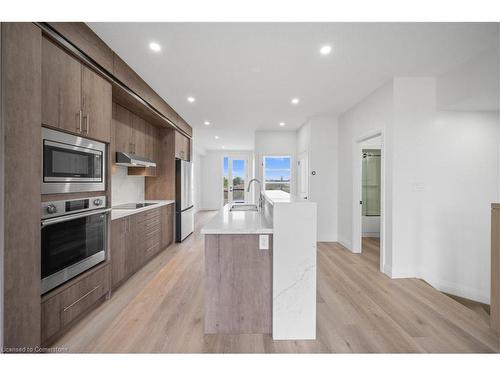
(182, 147)
(495, 267)
(96, 106)
(137, 238)
(61, 308)
(119, 248)
(139, 135)
(74, 98)
(61, 89)
(167, 225)
(134, 135)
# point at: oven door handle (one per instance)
(62, 219)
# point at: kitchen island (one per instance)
(260, 269)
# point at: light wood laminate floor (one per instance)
(160, 309)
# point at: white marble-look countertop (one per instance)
(119, 213)
(278, 196)
(238, 222)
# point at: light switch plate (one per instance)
(263, 242)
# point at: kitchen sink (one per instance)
(244, 207)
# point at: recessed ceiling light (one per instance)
(207, 123)
(216, 137)
(191, 99)
(282, 124)
(155, 46)
(223, 147)
(295, 101)
(325, 50)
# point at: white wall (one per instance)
(211, 176)
(445, 178)
(197, 180)
(372, 115)
(441, 176)
(125, 188)
(319, 138)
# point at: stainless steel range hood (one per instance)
(132, 160)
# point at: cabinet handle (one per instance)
(82, 297)
(79, 121)
(86, 128)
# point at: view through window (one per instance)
(234, 189)
(277, 173)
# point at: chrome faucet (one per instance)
(260, 190)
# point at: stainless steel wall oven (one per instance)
(74, 238)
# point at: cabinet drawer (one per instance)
(63, 308)
(81, 296)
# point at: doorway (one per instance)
(368, 199)
(234, 176)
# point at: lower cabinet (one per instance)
(70, 302)
(137, 238)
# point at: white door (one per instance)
(303, 175)
(235, 179)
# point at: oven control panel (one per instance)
(65, 207)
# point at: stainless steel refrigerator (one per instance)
(184, 215)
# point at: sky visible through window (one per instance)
(238, 167)
(277, 168)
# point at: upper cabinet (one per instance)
(182, 147)
(87, 41)
(134, 135)
(74, 98)
(156, 110)
(96, 105)
(61, 89)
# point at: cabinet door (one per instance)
(152, 145)
(182, 146)
(118, 250)
(96, 106)
(136, 245)
(123, 130)
(139, 135)
(167, 226)
(61, 88)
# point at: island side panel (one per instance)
(238, 284)
(294, 271)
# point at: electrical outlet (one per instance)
(263, 242)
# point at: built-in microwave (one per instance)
(71, 163)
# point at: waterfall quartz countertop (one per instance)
(117, 213)
(238, 222)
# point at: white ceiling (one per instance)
(243, 75)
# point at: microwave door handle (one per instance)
(62, 219)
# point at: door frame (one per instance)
(357, 215)
(231, 157)
(300, 156)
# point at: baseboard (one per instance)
(332, 238)
(463, 291)
(371, 234)
(387, 270)
(346, 244)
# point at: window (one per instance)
(277, 173)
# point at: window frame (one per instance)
(289, 183)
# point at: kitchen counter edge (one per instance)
(121, 213)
